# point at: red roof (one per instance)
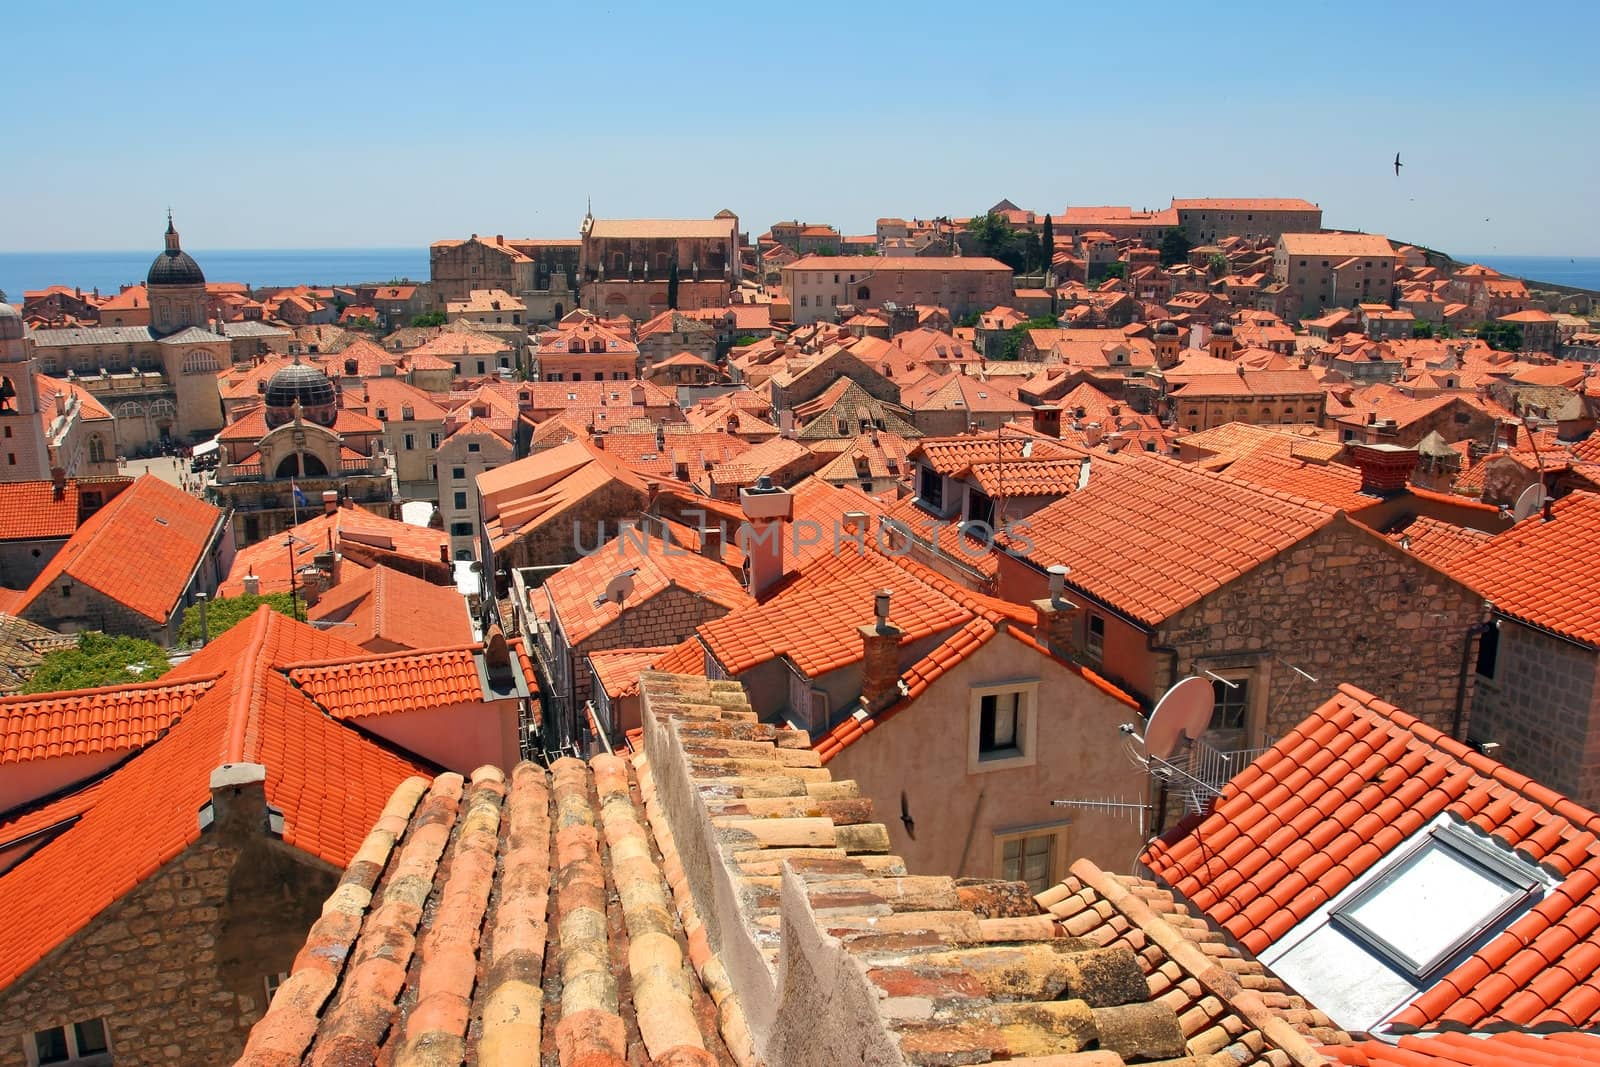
(1151, 536)
(329, 782)
(396, 681)
(1344, 789)
(381, 604)
(1543, 573)
(109, 719)
(1473, 1050)
(361, 538)
(140, 549)
(32, 511)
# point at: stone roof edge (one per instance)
(1187, 955)
(708, 877)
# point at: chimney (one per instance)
(1047, 420)
(1507, 434)
(768, 510)
(58, 483)
(786, 423)
(1385, 469)
(238, 805)
(711, 542)
(252, 584)
(636, 396)
(444, 554)
(1092, 434)
(1055, 615)
(330, 501)
(855, 521)
(880, 657)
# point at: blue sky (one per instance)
(331, 125)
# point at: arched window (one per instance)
(863, 293)
(97, 449)
(300, 465)
(163, 409)
(201, 362)
(129, 409)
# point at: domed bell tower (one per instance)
(177, 288)
(23, 452)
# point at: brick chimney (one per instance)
(330, 501)
(1047, 420)
(880, 657)
(768, 510)
(1385, 469)
(1055, 616)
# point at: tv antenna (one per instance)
(1177, 720)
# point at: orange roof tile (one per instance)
(32, 511)
(617, 669)
(356, 687)
(140, 549)
(1513, 1049)
(383, 605)
(361, 538)
(1151, 536)
(328, 781)
(1543, 572)
(1344, 789)
(108, 719)
(1435, 541)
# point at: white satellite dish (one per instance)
(1185, 711)
(1529, 502)
(620, 587)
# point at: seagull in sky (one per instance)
(1397, 164)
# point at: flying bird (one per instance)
(905, 816)
(1397, 164)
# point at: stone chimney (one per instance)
(58, 483)
(1055, 616)
(330, 501)
(1092, 434)
(1385, 469)
(252, 584)
(711, 542)
(1047, 420)
(880, 657)
(1506, 432)
(239, 800)
(768, 510)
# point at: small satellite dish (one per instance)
(1529, 502)
(1185, 711)
(620, 586)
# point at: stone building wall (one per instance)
(1344, 606)
(1540, 705)
(177, 967)
(671, 616)
(86, 608)
(554, 540)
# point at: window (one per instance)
(461, 529)
(411, 441)
(458, 473)
(80, 1043)
(1003, 726)
(461, 501)
(1033, 856)
(1489, 650)
(272, 982)
(931, 487)
(433, 440)
(1230, 707)
(473, 446)
(1096, 643)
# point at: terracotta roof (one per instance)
(109, 719)
(1130, 547)
(383, 605)
(954, 455)
(327, 780)
(140, 549)
(617, 669)
(356, 687)
(1250, 383)
(1247, 203)
(577, 593)
(663, 228)
(1343, 790)
(520, 496)
(1543, 572)
(362, 539)
(879, 264)
(1435, 541)
(32, 512)
(1336, 244)
(1333, 484)
(1028, 477)
(1474, 1050)
(1230, 1006)
(632, 972)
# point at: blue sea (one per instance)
(1580, 271)
(22, 271)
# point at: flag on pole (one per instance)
(299, 497)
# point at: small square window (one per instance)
(461, 501)
(473, 446)
(458, 473)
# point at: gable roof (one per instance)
(1543, 573)
(1346, 788)
(383, 604)
(360, 686)
(328, 781)
(140, 549)
(108, 719)
(1151, 536)
(361, 538)
(33, 512)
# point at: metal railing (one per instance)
(1213, 767)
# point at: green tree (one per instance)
(1217, 264)
(1012, 348)
(429, 318)
(672, 286)
(1505, 336)
(1422, 330)
(1174, 246)
(98, 659)
(226, 612)
(995, 238)
(1048, 241)
(826, 250)
(1117, 269)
